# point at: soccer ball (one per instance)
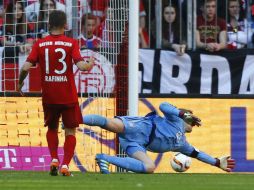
(180, 162)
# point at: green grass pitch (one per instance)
(120, 181)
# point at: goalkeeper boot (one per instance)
(54, 165)
(103, 164)
(65, 171)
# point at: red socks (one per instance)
(69, 147)
(52, 138)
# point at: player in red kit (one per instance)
(55, 55)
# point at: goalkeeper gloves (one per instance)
(225, 163)
(189, 118)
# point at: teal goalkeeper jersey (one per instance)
(160, 134)
(156, 133)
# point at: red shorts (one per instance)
(71, 115)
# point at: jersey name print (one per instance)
(50, 43)
(56, 79)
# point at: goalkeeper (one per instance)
(153, 133)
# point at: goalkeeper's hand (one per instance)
(226, 163)
(189, 118)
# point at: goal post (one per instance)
(133, 57)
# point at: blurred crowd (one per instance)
(217, 24)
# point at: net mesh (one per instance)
(23, 143)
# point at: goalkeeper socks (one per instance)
(52, 139)
(126, 163)
(95, 120)
(69, 147)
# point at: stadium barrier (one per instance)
(160, 72)
(196, 72)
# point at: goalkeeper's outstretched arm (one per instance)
(226, 163)
(169, 110)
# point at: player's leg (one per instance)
(51, 119)
(69, 148)
(71, 117)
(146, 160)
(113, 125)
(139, 161)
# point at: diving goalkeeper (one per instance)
(153, 133)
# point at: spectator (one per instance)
(87, 38)
(15, 32)
(172, 35)
(143, 34)
(105, 21)
(32, 10)
(46, 7)
(211, 31)
(143, 38)
(83, 7)
(106, 28)
(40, 27)
(237, 26)
(99, 10)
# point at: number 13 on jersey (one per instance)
(60, 61)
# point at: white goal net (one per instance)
(101, 27)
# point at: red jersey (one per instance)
(55, 55)
(209, 31)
